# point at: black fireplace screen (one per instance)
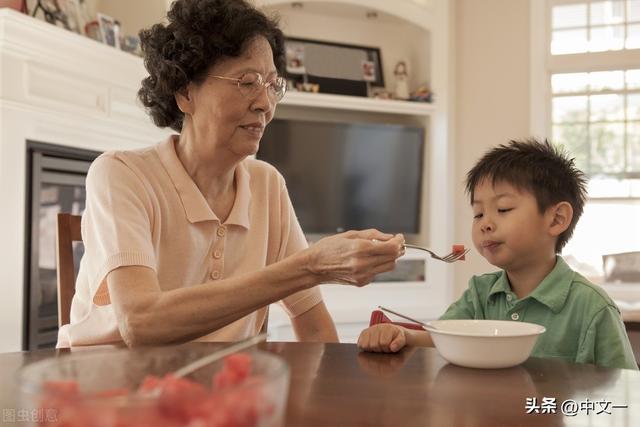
(57, 184)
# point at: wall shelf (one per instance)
(356, 103)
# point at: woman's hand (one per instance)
(383, 338)
(354, 257)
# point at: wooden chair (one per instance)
(68, 231)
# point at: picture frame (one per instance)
(49, 11)
(71, 8)
(92, 30)
(131, 44)
(109, 30)
(368, 71)
(315, 57)
(295, 59)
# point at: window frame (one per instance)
(544, 65)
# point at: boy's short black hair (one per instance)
(538, 167)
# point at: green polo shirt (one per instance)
(583, 324)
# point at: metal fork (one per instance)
(452, 257)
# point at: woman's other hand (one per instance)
(354, 257)
(383, 338)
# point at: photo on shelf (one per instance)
(71, 8)
(368, 71)
(49, 11)
(92, 30)
(337, 68)
(109, 30)
(130, 44)
(295, 59)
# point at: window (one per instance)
(596, 116)
(595, 26)
(591, 72)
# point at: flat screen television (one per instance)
(344, 176)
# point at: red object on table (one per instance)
(377, 316)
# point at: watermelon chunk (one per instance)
(235, 371)
(240, 363)
(149, 383)
(182, 402)
(457, 249)
(65, 388)
(114, 392)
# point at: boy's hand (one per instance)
(383, 338)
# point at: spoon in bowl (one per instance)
(406, 317)
(194, 366)
(217, 355)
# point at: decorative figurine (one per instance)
(402, 85)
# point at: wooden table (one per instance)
(335, 385)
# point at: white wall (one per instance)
(492, 98)
(134, 15)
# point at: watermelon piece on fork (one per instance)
(457, 249)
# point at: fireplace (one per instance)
(55, 183)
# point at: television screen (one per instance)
(348, 176)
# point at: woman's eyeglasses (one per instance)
(251, 83)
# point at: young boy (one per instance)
(526, 199)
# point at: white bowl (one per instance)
(484, 343)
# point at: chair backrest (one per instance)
(68, 231)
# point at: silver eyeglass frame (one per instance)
(261, 82)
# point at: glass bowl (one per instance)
(120, 388)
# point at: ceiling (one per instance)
(337, 10)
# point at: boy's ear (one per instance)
(560, 216)
(184, 99)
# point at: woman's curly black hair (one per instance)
(200, 33)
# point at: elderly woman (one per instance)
(193, 238)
